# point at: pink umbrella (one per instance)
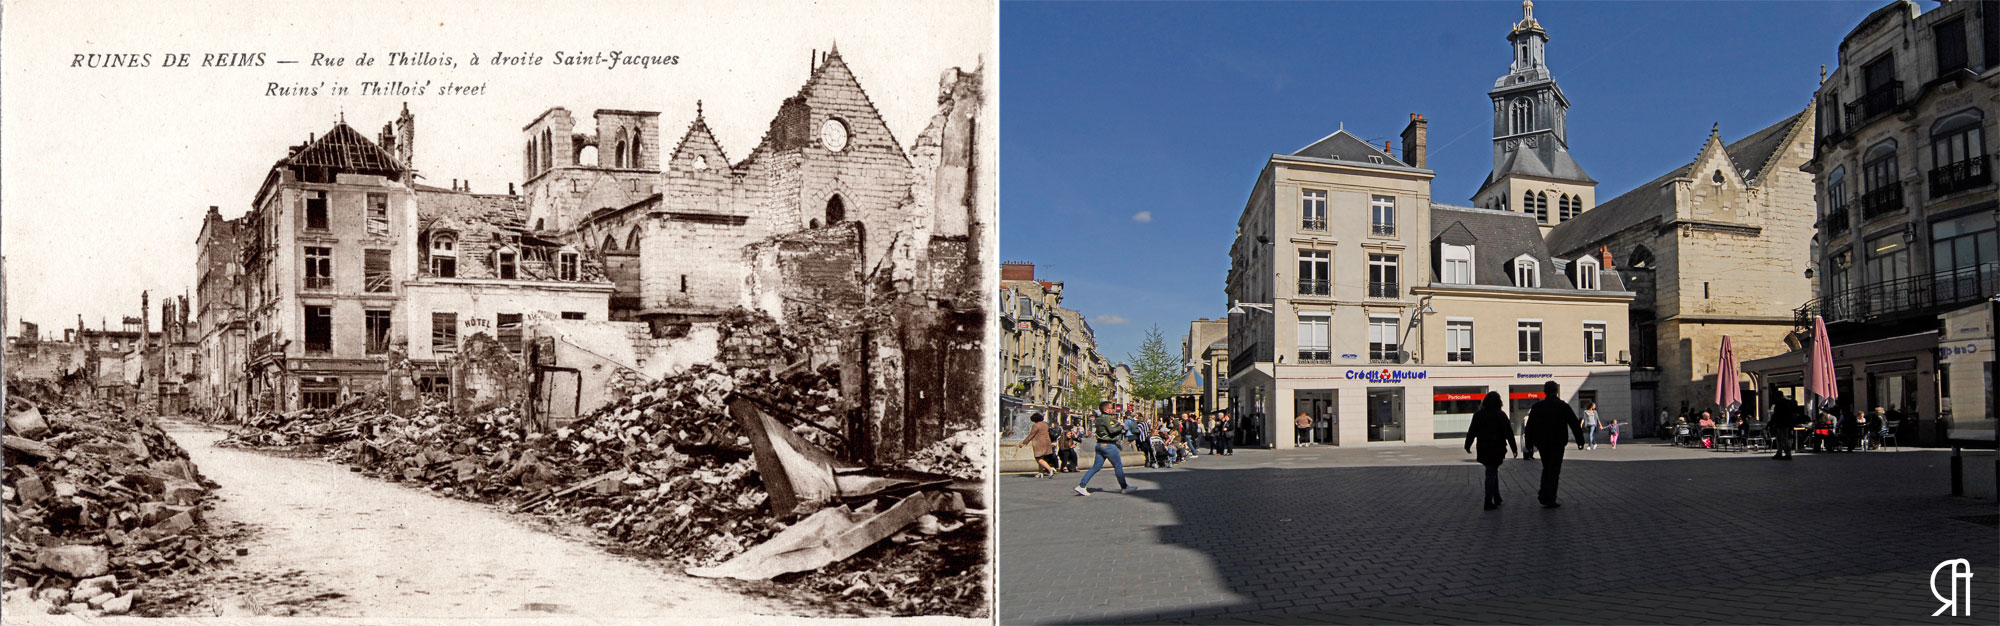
(1819, 366)
(1727, 393)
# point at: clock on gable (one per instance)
(833, 135)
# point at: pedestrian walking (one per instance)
(1493, 432)
(1785, 415)
(1109, 434)
(1304, 424)
(1590, 423)
(1550, 423)
(1043, 442)
(1614, 434)
(1066, 451)
(1527, 445)
(1225, 433)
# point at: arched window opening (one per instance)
(1641, 257)
(1522, 117)
(610, 243)
(836, 210)
(632, 240)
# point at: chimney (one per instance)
(1015, 270)
(1606, 251)
(1415, 137)
(406, 138)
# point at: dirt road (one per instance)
(392, 551)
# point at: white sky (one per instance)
(106, 173)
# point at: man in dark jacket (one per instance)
(1109, 431)
(1223, 436)
(1550, 423)
(1784, 416)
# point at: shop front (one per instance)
(1965, 374)
(1353, 406)
(1897, 374)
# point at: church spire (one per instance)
(1532, 167)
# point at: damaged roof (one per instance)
(485, 224)
(343, 148)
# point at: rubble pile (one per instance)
(98, 502)
(669, 469)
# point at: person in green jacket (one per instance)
(1109, 433)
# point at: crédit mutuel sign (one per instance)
(1387, 375)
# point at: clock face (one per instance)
(833, 135)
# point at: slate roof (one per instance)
(484, 223)
(1344, 146)
(1750, 155)
(1501, 236)
(1544, 161)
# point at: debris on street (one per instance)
(729, 471)
(99, 503)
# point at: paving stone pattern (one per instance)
(1647, 534)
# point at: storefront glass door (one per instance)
(1385, 414)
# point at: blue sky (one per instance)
(1132, 132)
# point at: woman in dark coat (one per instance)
(1494, 434)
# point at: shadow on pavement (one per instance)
(1820, 539)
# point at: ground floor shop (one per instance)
(1897, 374)
(1353, 406)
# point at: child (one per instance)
(1067, 448)
(1614, 434)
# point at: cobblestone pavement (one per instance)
(1647, 533)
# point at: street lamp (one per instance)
(1417, 323)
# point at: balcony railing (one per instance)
(1389, 353)
(1923, 293)
(1383, 230)
(1312, 224)
(1837, 222)
(1971, 173)
(1315, 357)
(1379, 289)
(1882, 201)
(1314, 288)
(1874, 104)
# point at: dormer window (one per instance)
(444, 256)
(1527, 272)
(566, 266)
(1586, 273)
(1457, 264)
(505, 264)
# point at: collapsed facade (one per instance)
(349, 274)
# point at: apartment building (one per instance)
(1902, 170)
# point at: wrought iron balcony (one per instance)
(1312, 224)
(1837, 222)
(1383, 230)
(1314, 288)
(1882, 201)
(1920, 294)
(1874, 104)
(1379, 289)
(1315, 357)
(1971, 173)
(1384, 353)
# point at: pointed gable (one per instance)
(832, 92)
(698, 153)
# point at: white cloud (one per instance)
(1111, 320)
(1143, 217)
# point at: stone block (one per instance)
(76, 561)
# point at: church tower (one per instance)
(1532, 169)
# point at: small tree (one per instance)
(1156, 373)
(1085, 397)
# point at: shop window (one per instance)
(318, 398)
(1385, 414)
(1452, 409)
